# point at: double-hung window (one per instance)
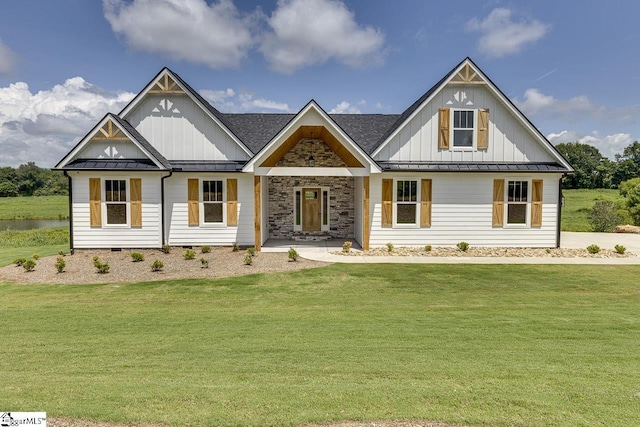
(463, 128)
(116, 201)
(517, 201)
(406, 202)
(213, 201)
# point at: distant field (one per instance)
(578, 203)
(43, 207)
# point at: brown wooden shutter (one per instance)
(443, 128)
(483, 129)
(498, 202)
(387, 202)
(95, 213)
(136, 202)
(232, 202)
(536, 203)
(425, 203)
(193, 202)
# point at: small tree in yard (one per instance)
(604, 216)
(631, 191)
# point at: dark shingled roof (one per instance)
(470, 167)
(206, 166)
(365, 129)
(112, 164)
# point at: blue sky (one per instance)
(571, 67)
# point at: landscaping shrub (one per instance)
(166, 249)
(604, 216)
(61, 252)
(346, 247)
(29, 265)
(157, 265)
(102, 268)
(293, 254)
(189, 255)
(36, 256)
(19, 261)
(204, 262)
(463, 246)
(60, 264)
(593, 249)
(251, 251)
(235, 247)
(205, 249)
(137, 257)
(427, 248)
(248, 260)
(389, 247)
(620, 249)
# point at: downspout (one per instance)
(162, 218)
(559, 226)
(71, 250)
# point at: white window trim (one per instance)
(103, 201)
(297, 208)
(527, 223)
(395, 202)
(474, 133)
(202, 202)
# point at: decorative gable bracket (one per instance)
(467, 76)
(166, 86)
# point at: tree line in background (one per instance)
(31, 180)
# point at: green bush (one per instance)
(19, 261)
(630, 189)
(235, 247)
(36, 256)
(427, 248)
(620, 249)
(204, 262)
(463, 246)
(137, 257)
(248, 260)
(389, 247)
(60, 264)
(593, 249)
(205, 249)
(604, 216)
(157, 265)
(61, 252)
(251, 251)
(29, 265)
(166, 249)
(102, 268)
(37, 237)
(293, 254)
(346, 247)
(189, 255)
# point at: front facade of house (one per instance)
(460, 164)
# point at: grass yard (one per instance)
(42, 207)
(495, 345)
(578, 203)
(24, 243)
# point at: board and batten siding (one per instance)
(462, 210)
(508, 140)
(180, 130)
(178, 230)
(149, 235)
(101, 149)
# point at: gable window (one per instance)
(463, 128)
(116, 201)
(213, 201)
(517, 200)
(406, 202)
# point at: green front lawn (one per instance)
(475, 345)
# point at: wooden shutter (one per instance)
(95, 213)
(443, 128)
(232, 202)
(425, 203)
(387, 202)
(136, 202)
(536, 203)
(483, 129)
(193, 202)
(498, 202)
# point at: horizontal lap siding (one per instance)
(176, 210)
(147, 236)
(462, 211)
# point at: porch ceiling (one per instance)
(311, 132)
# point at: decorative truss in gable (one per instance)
(110, 132)
(466, 76)
(166, 86)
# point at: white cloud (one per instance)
(228, 101)
(192, 30)
(609, 145)
(344, 108)
(8, 59)
(536, 103)
(310, 32)
(42, 127)
(502, 36)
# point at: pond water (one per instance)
(30, 224)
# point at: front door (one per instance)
(311, 209)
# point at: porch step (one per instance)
(310, 237)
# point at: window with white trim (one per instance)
(517, 202)
(406, 206)
(213, 201)
(463, 128)
(115, 196)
